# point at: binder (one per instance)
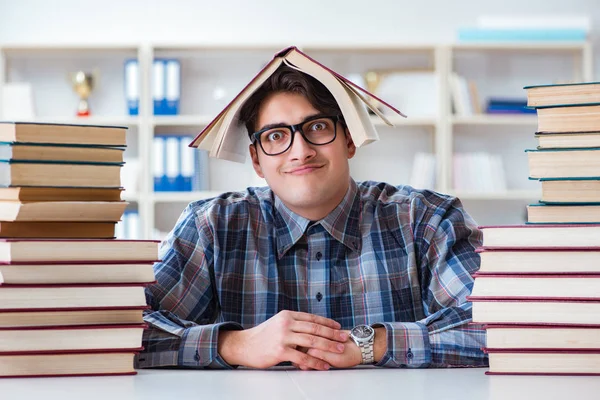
(172, 86)
(158, 86)
(173, 169)
(132, 225)
(158, 163)
(132, 86)
(187, 156)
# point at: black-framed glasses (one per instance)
(319, 130)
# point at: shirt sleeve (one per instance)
(183, 303)
(445, 242)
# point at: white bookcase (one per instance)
(212, 75)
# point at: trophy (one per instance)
(83, 83)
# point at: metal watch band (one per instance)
(366, 350)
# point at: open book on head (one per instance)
(225, 137)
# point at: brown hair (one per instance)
(288, 80)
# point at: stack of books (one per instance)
(71, 295)
(538, 288)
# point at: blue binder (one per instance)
(132, 86)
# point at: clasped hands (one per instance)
(308, 341)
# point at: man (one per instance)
(315, 269)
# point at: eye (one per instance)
(318, 126)
(275, 136)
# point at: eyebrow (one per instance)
(283, 124)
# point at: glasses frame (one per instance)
(297, 128)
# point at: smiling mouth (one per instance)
(307, 169)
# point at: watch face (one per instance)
(362, 331)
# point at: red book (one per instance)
(524, 286)
(71, 316)
(573, 236)
(487, 310)
(539, 261)
(48, 339)
(49, 250)
(57, 297)
(543, 361)
(549, 336)
(71, 272)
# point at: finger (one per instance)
(318, 330)
(302, 316)
(306, 361)
(315, 342)
(321, 355)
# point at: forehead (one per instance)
(288, 108)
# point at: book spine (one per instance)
(158, 86)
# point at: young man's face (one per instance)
(311, 180)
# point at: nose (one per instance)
(301, 149)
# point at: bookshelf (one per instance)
(208, 69)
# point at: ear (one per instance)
(350, 144)
(255, 162)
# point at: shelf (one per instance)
(485, 119)
(93, 120)
(518, 46)
(181, 120)
(182, 197)
(507, 195)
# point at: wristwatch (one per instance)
(364, 337)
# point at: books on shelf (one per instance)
(424, 171)
(478, 172)
(522, 35)
(563, 213)
(177, 167)
(497, 105)
(226, 138)
(539, 261)
(564, 163)
(464, 95)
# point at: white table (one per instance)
(289, 384)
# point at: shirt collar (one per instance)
(343, 223)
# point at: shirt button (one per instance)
(319, 255)
(409, 354)
(355, 245)
(319, 296)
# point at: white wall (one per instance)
(261, 21)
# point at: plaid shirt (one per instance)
(386, 256)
